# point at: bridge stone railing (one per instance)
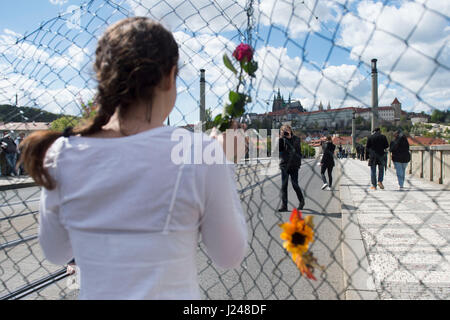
(429, 162)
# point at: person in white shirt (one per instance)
(112, 196)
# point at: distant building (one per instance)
(294, 113)
(332, 118)
(280, 104)
(23, 127)
(387, 113)
(418, 118)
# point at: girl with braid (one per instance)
(114, 200)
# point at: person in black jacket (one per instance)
(327, 163)
(358, 151)
(10, 149)
(400, 155)
(290, 162)
(375, 147)
(363, 153)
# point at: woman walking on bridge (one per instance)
(400, 156)
(327, 163)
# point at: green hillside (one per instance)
(9, 113)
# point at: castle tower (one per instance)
(320, 106)
(277, 102)
(397, 106)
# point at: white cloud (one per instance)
(33, 93)
(22, 50)
(58, 2)
(297, 16)
(205, 16)
(407, 40)
(42, 76)
(202, 16)
(342, 85)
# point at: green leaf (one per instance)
(239, 108)
(225, 123)
(228, 63)
(229, 109)
(234, 96)
(217, 120)
(251, 68)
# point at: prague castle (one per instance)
(280, 104)
(294, 112)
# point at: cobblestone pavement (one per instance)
(406, 233)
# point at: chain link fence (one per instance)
(315, 52)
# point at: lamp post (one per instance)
(374, 94)
(353, 130)
(202, 99)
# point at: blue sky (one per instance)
(52, 68)
(27, 15)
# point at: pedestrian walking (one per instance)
(376, 146)
(327, 163)
(358, 151)
(290, 162)
(399, 149)
(20, 170)
(362, 153)
(10, 150)
(114, 199)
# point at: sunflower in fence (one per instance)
(298, 233)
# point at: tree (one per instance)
(359, 120)
(64, 122)
(89, 109)
(363, 141)
(437, 116)
(307, 150)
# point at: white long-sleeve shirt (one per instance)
(131, 216)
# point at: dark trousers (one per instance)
(330, 177)
(293, 173)
(373, 173)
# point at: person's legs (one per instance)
(400, 168)
(10, 158)
(373, 175)
(381, 172)
(404, 166)
(322, 172)
(284, 186)
(293, 172)
(330, 176)
(398, 171)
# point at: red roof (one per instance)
(356, 109)
(395, 101)
(342, 140)
(284, 112)
(425, 141)
(385, 108)
(336, 140)
(291, 111)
